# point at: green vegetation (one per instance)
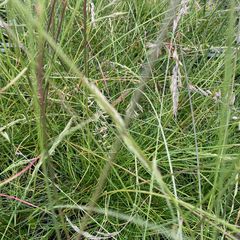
(119, 119)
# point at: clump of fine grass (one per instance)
(105, 170)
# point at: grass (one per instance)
(90, 146)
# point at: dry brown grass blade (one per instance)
(176, 74)
(51, 15)
(64, 7)
(174, 88)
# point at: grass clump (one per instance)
(119, 120)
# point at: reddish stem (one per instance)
(21, 172)
(18, 199)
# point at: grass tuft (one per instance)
(133, 110)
